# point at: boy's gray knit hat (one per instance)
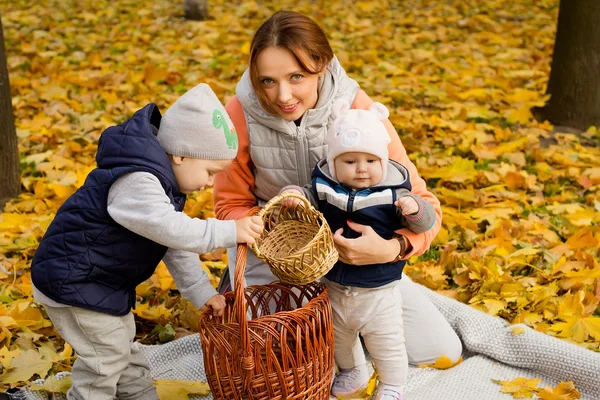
(198, 126)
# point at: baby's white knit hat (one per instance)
(197, 126)
(361, 131)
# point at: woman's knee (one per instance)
(452, 348)
(430, 349)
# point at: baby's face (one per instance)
(358, 170)
(194, 174)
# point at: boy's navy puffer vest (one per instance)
(86, 259)
(372, 206)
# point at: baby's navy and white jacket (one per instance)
(373, 206)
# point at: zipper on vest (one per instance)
(351, 200)
(303, 172)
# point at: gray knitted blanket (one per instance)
(492, 351)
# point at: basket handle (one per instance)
(276, 200)
(247, 360)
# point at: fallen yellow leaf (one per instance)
(564, 391)
(517, 330)
(519, 387)
(179, 389)
(24, 366)
(53, 385)
(442, 363)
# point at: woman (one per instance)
(281, 112)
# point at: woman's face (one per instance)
(289, 89)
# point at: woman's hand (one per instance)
(369, 248)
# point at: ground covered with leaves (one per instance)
(520, 232)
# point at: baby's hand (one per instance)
(248, 229)
(292, 202)
(407, 204)
(217, 303)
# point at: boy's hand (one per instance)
(248, 229)
(292, 202)
(407, 204)
(217, 303)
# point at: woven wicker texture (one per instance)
(284, 352)
(296, 243)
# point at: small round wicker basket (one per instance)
(296, 243)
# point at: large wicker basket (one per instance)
(296, 243)
(284, 352)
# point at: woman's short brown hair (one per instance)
(297, 33)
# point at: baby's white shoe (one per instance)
(350, 381)
(387, 392)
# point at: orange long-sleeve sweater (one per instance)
(233, 188)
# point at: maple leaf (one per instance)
(442, 363)
(5, 334)
(572, 305)
(493, 306)
(54, 385)
(179, 389)
(584, 238)
(519, 387)
(48, 352)
(572, 311)
(429, 274)
(6, 355)
(461, 170)
(578, 328)
(159, 313)
(26, 365)
(579, 279)
(564, 391)
(517, 330)
(521, 115)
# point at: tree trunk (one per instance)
(574, 82)
(10, 184)
(196, 10)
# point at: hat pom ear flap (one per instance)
(331, 166)
(339, 108)
(380, 110)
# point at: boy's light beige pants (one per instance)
(106, 366)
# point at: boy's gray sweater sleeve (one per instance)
(422, 220)
(191, 280)
(138, 202)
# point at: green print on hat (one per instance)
(219, 122)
